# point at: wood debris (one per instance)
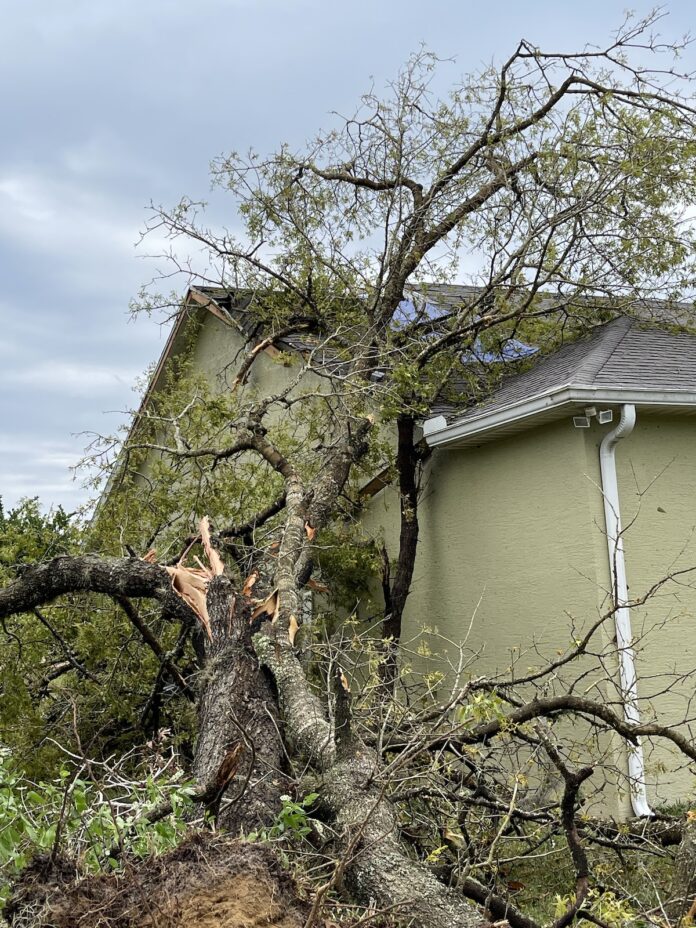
(269, 606)
(214, 558)
(293, 626)
(191, 583)
(249, 582)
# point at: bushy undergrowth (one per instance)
(96, 824)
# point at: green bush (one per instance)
(96, 824)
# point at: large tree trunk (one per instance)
(376, 865)
(396, 592)
(239, 753)
(240, 749)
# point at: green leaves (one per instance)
(88, 820)
(27, 535)
(292, 822)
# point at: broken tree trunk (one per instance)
(375, 864)
(240, 749)
(239, 752)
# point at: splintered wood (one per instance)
(191, 583)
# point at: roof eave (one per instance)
(518, 416)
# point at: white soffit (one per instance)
(545, 407)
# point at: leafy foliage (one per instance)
(292, 822)
(95, 824)
(50, 662)
(28, 535)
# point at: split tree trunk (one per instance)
(376, 865)
(240, 749)
(239, 752)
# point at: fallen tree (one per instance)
(527, 166)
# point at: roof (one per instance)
(627, 353)
(622, 361)
(238, 309)
(645, 353)
(618, 361)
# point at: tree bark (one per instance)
(113, 576)
(396, 593)
(406, 464)
(376, 865)
(239, 752)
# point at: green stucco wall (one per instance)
(656, 469)
(220, 347)
(513, 559)
(216, 350)
(506, 552)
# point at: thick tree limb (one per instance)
(303, 713)
(573, 780)
(380, 868)
(557, 705)
(501, 909)
(42, 583)
(407, 460)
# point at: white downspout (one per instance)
(622, 617)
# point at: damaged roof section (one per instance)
(626, 353)
(625, 360)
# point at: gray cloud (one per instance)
(108, 105)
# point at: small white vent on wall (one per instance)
(581, 422)
(605, 415)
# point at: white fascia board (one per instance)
(436, 433)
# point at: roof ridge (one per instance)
(617, 344)
(608, 339)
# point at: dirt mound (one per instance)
(207, 882)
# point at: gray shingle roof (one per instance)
(623, 353)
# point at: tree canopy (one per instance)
(559, 187)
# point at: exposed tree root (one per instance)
(207, 882)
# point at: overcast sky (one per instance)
(109, 104)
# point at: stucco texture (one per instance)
(506, 554)
(512, 561)
(656, 467)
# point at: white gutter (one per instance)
(437, 431)
(622, 616)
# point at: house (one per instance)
(572, 484)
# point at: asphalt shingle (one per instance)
(624, 353)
